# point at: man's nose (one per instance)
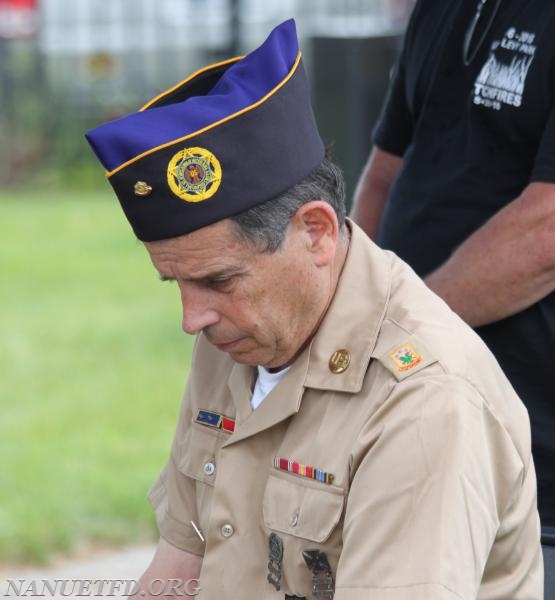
(197, 312)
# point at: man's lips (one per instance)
(227, 346)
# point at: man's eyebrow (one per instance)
(221, 274)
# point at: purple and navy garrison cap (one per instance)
(229, 137)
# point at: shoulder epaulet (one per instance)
(403, 360)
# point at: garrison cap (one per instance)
(229, 137)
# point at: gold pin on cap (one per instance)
(142, 188)
(340, 361)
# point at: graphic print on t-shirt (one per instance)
(503, 76)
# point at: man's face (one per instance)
(260, 308)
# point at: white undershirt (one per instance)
(265, 383)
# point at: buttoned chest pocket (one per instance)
(305, 515)
(199, 461)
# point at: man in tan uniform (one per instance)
(343, 434)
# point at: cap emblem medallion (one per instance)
(194, 174)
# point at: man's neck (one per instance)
(335, 274)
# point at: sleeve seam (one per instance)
(172, 529)
(189, 550)
(470, 385)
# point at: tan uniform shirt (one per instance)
(433, 491)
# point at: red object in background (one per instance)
(18, 18)
(19, 4)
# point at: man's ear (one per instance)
(318, 221)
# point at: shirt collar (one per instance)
(354, 317)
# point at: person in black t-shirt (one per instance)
(461, 184)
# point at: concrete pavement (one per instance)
(112, 565)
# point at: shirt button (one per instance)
(209, 468)
(227, 530)
(293, 520)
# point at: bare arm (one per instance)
(506, 265)
(373, 188)
(168, 563)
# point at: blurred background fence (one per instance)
(67, 65)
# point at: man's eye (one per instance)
(220, 283)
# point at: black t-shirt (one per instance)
(472, 138)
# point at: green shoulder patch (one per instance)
(407, 358)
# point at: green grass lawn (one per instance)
(92, 367)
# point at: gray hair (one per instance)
(265, 225)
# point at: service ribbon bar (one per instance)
(292, 466)
(215, 420)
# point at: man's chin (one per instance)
(250, 358)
